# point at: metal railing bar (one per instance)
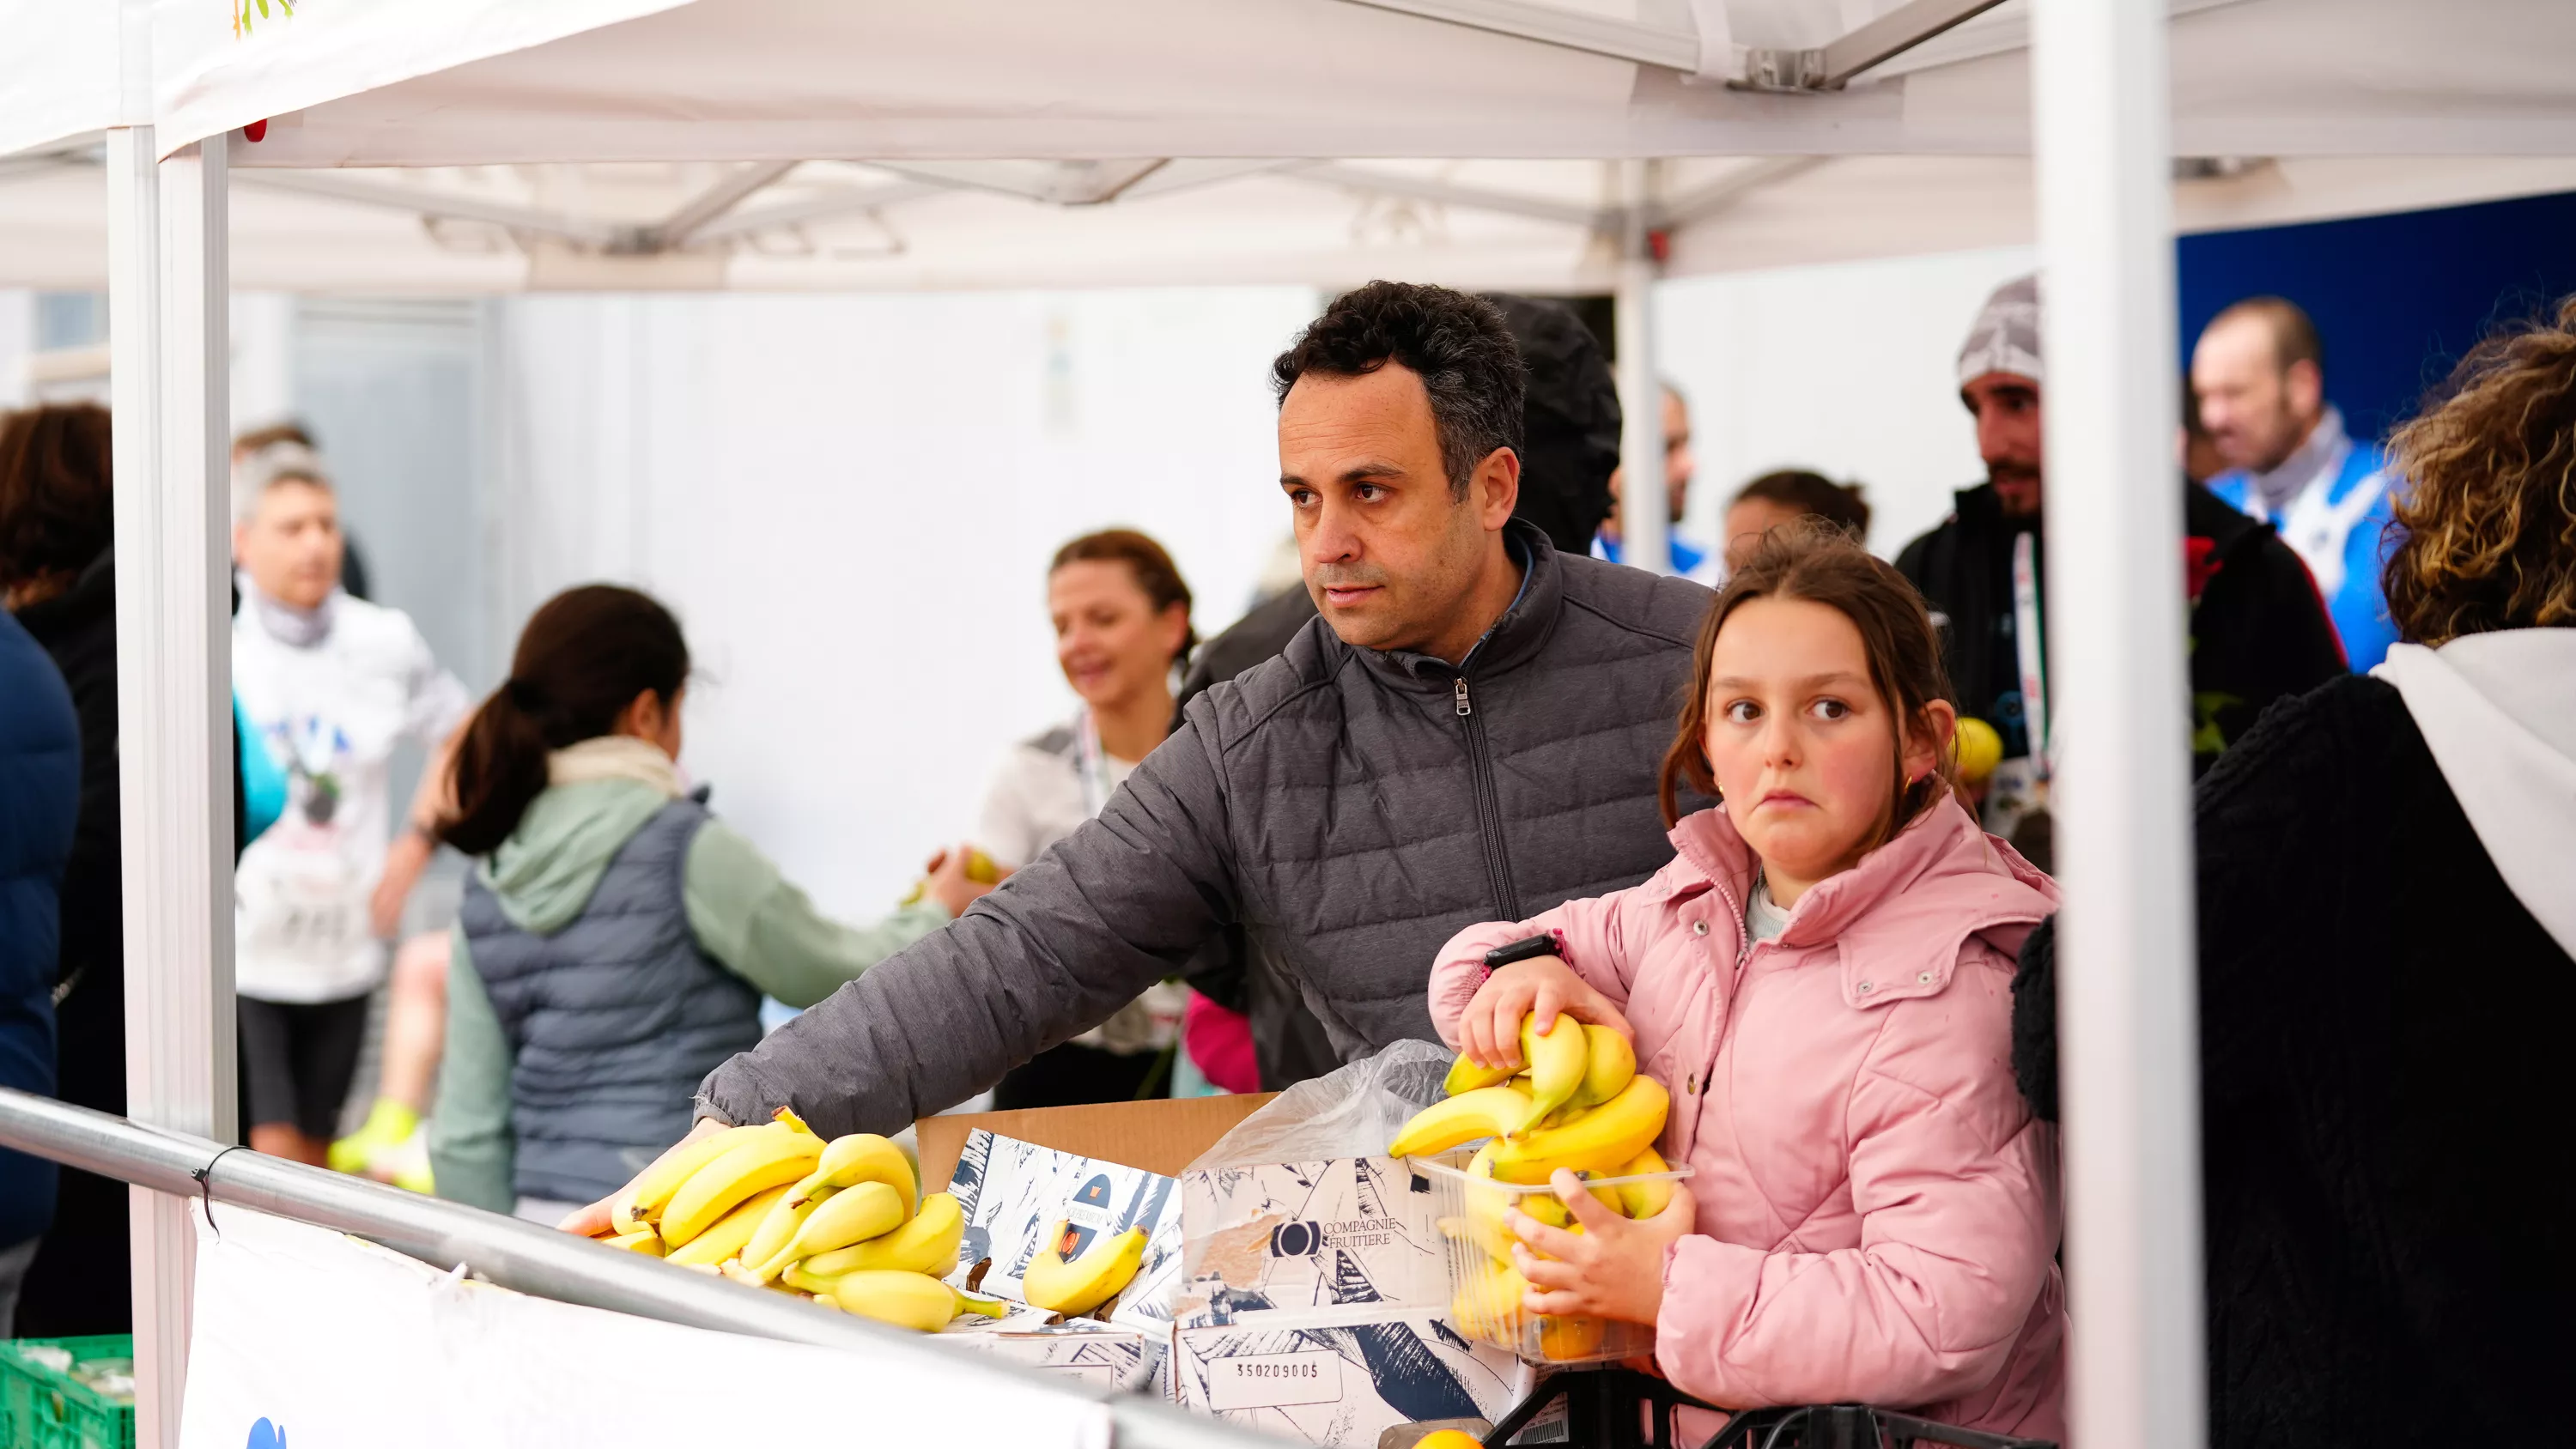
(529, 1258)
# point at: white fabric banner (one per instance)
(306, 1337)
(58, 76)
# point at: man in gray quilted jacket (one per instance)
(1471, 731)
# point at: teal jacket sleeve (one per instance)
(471, 1149)
(754, 920)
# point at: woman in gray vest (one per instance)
(615, 938)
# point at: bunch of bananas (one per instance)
(840, 1222)
(1578, 1103)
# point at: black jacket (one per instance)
(2259, 632)
(2382, 1041)
(79, 1283)
(1963, 569)
(1351, 810)
(1288, 1043)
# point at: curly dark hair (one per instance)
(1457, 344)
(2486, 517)
(56, 511)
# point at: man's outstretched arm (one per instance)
(1067, 940)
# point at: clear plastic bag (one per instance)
(1354, 1112)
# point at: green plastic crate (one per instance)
(42, 1407)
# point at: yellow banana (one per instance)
(1612, 1060)
(1088, 1281)
(1486, 1206)
(772, 1160)
(643, 1240)
(645, 1197)
(979, 868)
(1466, 1076)
(803, 1280)
(1486, 1112)
(1600, 1140)
(1488, 1306)
(786, 1117)
(725, 1236)
(1644, 1199)
(908, 1300)
(927, 1244)
(868, 1210)
(862, 1157)
(1556, 1064)
(779, 1227)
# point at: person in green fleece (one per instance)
(615, 937)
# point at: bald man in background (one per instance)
(2259, 372)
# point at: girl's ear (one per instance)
(643, 718)
(1930, 744)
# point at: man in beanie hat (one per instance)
(1980, 571)
(2258, 629)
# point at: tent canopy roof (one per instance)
(463, 82)
(1172, 140)
(1542, 226)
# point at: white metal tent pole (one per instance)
(1643, 525)
(169, 340)
(2115, 625)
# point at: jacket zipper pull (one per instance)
(1464, 708)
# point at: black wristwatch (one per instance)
(1527, 948)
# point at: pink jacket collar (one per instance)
(1899, 917)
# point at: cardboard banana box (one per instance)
(1343, 1377)
(1307, 1236)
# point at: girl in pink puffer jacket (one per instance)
(1823, 978)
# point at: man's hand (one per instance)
(592, 1221)
(950, 885)
(1614, 1268)
(1543, 987)
(404, 861)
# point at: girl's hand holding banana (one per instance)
(1539, 989)
(1612, 1268)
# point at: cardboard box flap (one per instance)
(1014, 1194)
(1161, 1137)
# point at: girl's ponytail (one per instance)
(584, 657)
(500, 767)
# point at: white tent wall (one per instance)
(1846, 369)
(920, 456)
(850, 501)
(17, 344)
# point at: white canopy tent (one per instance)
(1117, 86)
(1542, 226)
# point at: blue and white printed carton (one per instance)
(1345, 1376)
(1304, 1237)
(1013, 1195)
(1109, 1358)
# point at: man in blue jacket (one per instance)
(39, 803)
(2259, 371)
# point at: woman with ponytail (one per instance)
(615, 938)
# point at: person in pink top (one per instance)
(1823, 978)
